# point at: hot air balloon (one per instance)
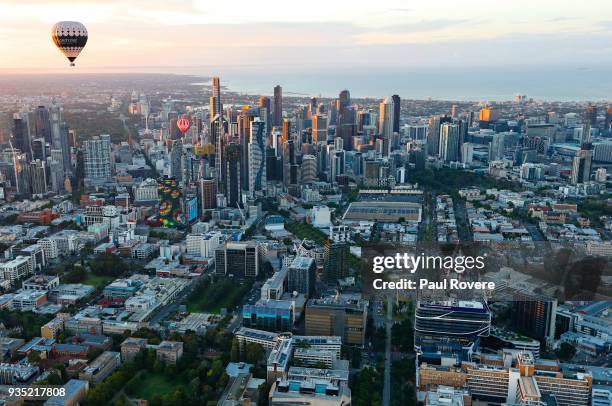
(70, 37)
(183, 124)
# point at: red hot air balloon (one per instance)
(183, 124)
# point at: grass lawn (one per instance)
(152, 383)
(97, 281)
(307, 231)
(211, 298)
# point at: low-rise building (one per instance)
(104, 365)
(169, 351)
(131, 346)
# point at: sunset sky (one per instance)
(310, 34)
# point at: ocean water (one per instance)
(551, 83)
(540, 83)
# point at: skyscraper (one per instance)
(581, 168)
(217, 130)
(208, 194)
(97, 160)
(237, 258)
(38, 175)
(59, 135)
(42, 123)
(301, 276)
(216, 107)
(397, 111)
(20, 139)
(277, 116)
(309, 168)
(319, 129)
(232, 176)
(176, 164)
(345, 124)
(433, 134)
(535, 317)
(257, 158)
(265, 110)
(39, 150)
(386, 122)
(335, 261)
(286, 129)
(449, 142)
(496, 147)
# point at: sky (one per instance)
(314, 34)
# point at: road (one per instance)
(535, 232)
(389, 324)
(463, 227)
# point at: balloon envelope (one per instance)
(69, 37)
(182, 124)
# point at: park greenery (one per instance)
(211, 295)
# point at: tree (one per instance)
(566, 352)
(108, 265)
(235, 351)
(34, 357)
(254, 353)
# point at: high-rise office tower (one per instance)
(301, 277)
(97, 160)
(56, 176)
(496, 147)
(397, 111)
(42, 124)
(217, 130)
(467, 153)
(608, 124)
(216, 106)
(240, 259)
(176, 160)
(488, 115)
(309, 168)
(590, 115)
(335, 261)
(20, 139)
(289, 159)
(581, 168)
(535, 317)
(449, 142)
(277, 114)
(337, 164)
(244, 120)
(264, 103)
(345, 123)
(363, 119)
(319, 129)
(39, 150)
(59, 135)
(286, 129)
(454, 111)
(344, 100)
(232, 176)
(433, 134)
(386, 121)
(342, 315)
(257, 158)
(312, 107)
(208, 194)
(38, 176)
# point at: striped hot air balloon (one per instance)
(69, 37)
